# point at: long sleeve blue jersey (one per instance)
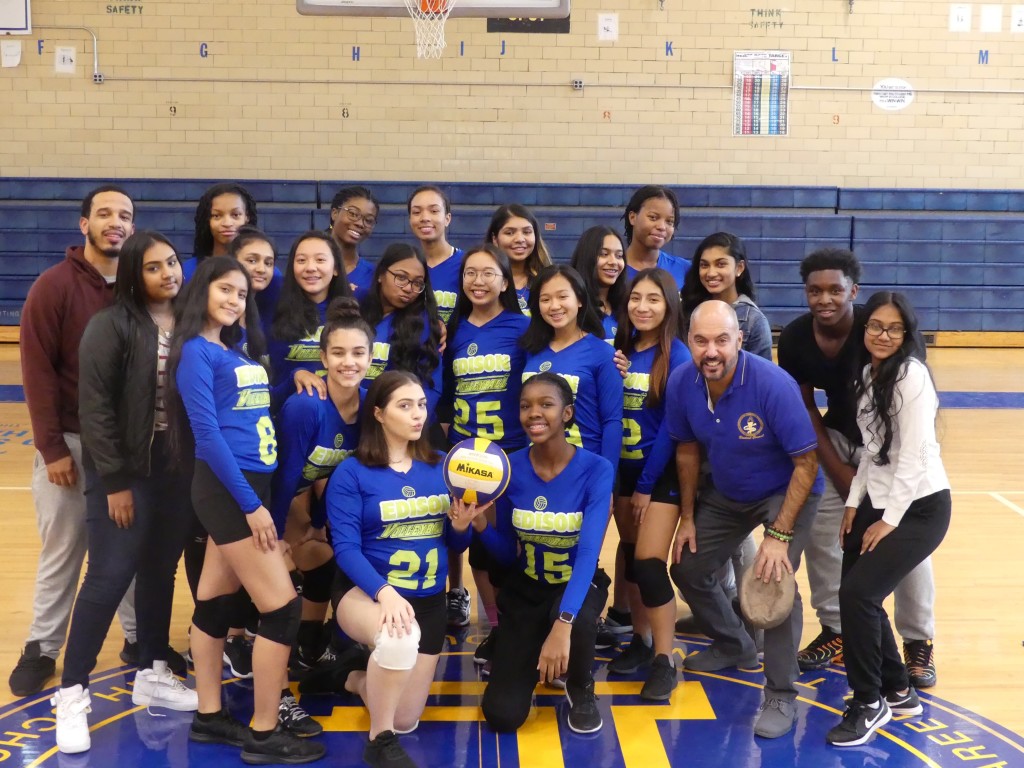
(290, 355)
(446, 282)
(380, 360)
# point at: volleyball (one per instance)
(476, 471)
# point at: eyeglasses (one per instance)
(875, 328)
(402, 280)
(355, 215)
(487, 275)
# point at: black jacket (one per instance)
(117, 395)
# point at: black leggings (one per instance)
(528, 610)
(873, 662)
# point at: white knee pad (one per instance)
(394, 652)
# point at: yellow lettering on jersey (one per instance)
(637, 381)
(251, 375)
(562, 522)
(302, 353)
(252, 398)
(420, 506)
(482, 364)
(446, 299)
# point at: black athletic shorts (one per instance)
(217, 509)
(665, 491)
(431, 613)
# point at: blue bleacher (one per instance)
(954, 252)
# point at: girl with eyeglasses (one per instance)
(599, 257)
(514, 230)
(483, 368)
(354, 212)
(313, 279)
(400, 306)
(897, 513)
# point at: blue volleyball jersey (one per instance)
(392, 528)
(290, 355)
(483, 372)
(313, 439)
(446, 281)
(674, 265)
(227, 399)
(361, 278)
(523, 294)
(589, 367)
(645, 444)
(552, 531)
(380, 360)
(611, 327)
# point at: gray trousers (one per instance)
(915, 595)
(722, 525)
(60, 517)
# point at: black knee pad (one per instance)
(282, 626)
(316, 584)
(652, 578)
(629, 561)
(213, 616)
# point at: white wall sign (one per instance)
(959, 18)
(991, 18)
(608, 26)
(64, 60)
(1017, 18)
(892, 94)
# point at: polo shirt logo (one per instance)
(751, 426)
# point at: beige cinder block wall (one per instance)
(278, 95)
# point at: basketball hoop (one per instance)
(429, 17)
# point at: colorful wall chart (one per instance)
(760, 93)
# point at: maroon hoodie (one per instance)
(59, 305)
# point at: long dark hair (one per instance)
(297, 315)
(539, 257)
(626, 338)
(190, 316)
(372, 450)
(883, 406)
(508, 299)
(408, 351)
(641, 196)
(539, 334)
(130, 290)
(202, 243)
(584, 260)
(343, 315)
(694, 292)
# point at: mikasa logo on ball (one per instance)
(408, 491)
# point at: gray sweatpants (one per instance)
(722, 525)
(915, 595)
(60, 517)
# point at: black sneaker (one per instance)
(238, 656)
(32, 671)
(859, 723)
(919, 656)
(584, 716)
(637, 654)
(223, 729)
(661, 680)
(294, 719)
(384, 751)
(331, 672)
(904, 704)
(458, 607)
(825, 648)
(483, 652)
(605, 638)
(280, 747)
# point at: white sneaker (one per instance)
(72, 705)
(159, 687)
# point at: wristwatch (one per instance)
(567, 617)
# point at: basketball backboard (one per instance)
(548, 9)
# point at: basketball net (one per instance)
(429, 17)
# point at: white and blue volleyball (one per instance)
(476, 470)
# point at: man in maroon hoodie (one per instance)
(55, 314)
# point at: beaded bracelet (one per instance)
(775, 533)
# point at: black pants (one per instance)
(147, 551)
(873, 662)
(527, 611)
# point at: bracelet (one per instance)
(775, 533)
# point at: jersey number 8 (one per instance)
(268, 440)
